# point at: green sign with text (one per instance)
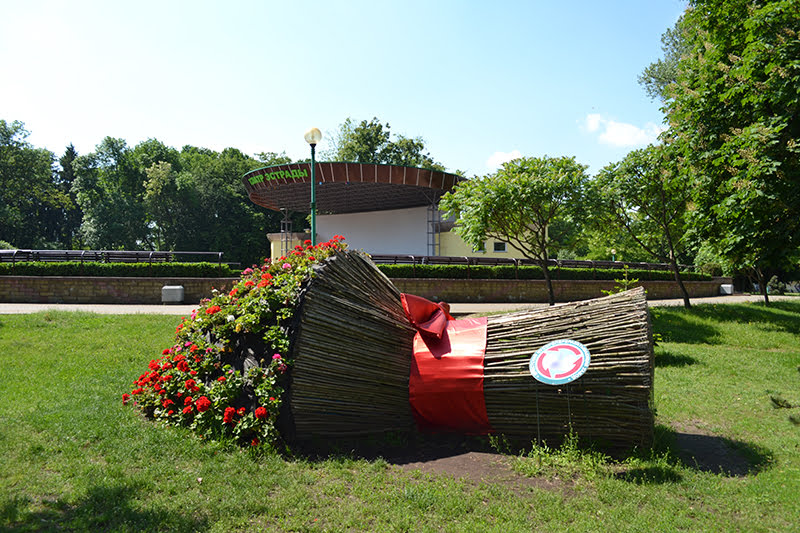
(279, 174)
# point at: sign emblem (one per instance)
(559, 362)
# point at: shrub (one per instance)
(126, 270)
(776, 286)
(225, 374)
(528, 272)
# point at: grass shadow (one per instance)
(396, 448)
(677, 324)
(674, 325)
(665, 358)
(720, 455)
(104, 508)
(674, 451)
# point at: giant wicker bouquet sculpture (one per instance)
(321, 345)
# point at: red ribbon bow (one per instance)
(446, 382)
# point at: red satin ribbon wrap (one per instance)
(446, 382)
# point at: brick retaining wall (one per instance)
(104, 290)
(56, 289)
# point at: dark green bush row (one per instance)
(528, 272)
(126, 270)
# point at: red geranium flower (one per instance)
(187, 401)
(254, 442)
(248, 283)
(261, 413)
(187, 409)
(227, 417)
(203, 404)
(221, 379)
(125, 398)
(213, 309)
(242, 411)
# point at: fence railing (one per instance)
(106, 256)
(415, 260)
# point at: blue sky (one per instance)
(478, 81)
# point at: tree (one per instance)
(71, 213)
(658, 75)
(734, 114)
(273, 158)
(518, 203)
(109, 188)
(647, 196)
(30, 201)
(369, 142)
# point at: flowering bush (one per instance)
(225, 375)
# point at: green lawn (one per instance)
(73, 458)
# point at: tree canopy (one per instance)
(647, 196)
(30, 200)
(518, 204)
(370, 142)
(734, 115)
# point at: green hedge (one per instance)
(124, 270)
(528, 272)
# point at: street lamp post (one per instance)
(312, 137)
(614, 255)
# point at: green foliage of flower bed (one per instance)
(225, 374)
(528, 272)
(124, 270)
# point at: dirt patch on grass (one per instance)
(480, 467)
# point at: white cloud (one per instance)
(498, 158)
(621, 133)
(593, 121)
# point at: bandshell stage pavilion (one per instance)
(381, 209)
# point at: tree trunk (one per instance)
(676, 272)
(551, 298)
(762, 284)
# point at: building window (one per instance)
(481, 248)
(499, 246)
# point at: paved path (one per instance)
(456, 308)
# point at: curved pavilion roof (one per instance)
(346, 187)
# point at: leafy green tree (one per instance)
(647, 196)
(69, 234)
(30, 201)
(109, 188)
(273, 158)
(734, 112)
(657, 76)
(218, 214)
(370, 142)
(518, 204)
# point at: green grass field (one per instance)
(72, 458)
